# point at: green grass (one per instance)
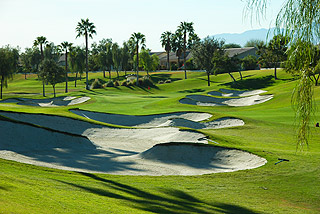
(288, 187)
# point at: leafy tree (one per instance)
(87, 29)
(274, 53)
(66, 46)
(51, 73)
(225, 64)
(41, 40)
(298, 21)
(137, 39)
(125, 53)
(51, 51)
(166, 42)
(8, 64)
(203, 53)
(147, 61)
(249, 62)
(186, 28)
(77, 61)
(254, 43)
(116, 57)
(231, 45)
(30, 60)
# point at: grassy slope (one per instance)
(289, 187)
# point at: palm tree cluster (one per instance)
(179, 42)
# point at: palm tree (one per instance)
(166, 40)
(86, 29)
(136, 39)
(41, 40)
(177, 45)
(66, 46)
(185, 28)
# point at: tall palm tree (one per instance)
(66, 46)
(136, 39)
(177, 45)
(166, 40)
(41, 40)
(86, 29)
(185, 28)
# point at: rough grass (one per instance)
(288, 187)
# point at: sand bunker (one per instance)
(52, 102)
(94, 148)
(179, 119)
(203, 100)
(235, 93)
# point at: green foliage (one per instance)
(204, 51)
(173, 67)
(249, 63)
(8, 64)
(96, 84)
(51, 73)
(257, 43)
(231, 45)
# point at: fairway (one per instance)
(178, 147)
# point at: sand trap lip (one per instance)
(203, 100)
(179, 119)
(235, 93)
(106, 150)
(51, 102)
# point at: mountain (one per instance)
(242, 38)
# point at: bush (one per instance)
(249, 63)
(124, 83)
(173, 66)
(116, 83)
(109, 84)
(96, 84)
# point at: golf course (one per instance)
(177, 147)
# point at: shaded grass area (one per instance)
(288, 187)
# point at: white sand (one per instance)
(203, 100)
(51, 102)
(115, 151)
(235, 93)
(143, 121)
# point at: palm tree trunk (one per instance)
(1, 87)
(275, 72)
(168, 66)
(75, 81)
(137, 83)
(110, 74)
(87, 69)
(184, 55)
(66, 57)
(104, 74)
(208, 74)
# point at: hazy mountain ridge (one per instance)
(241, 38)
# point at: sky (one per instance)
(24, 20)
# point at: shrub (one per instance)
(124, 83)
(249, 63)
(173, 66)
(96, 84)
(109, 84)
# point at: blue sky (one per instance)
(23, 20)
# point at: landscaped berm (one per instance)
(179, 147)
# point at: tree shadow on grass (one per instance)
(195, 90)
(252, 84)
(157, 77)
(166, 201)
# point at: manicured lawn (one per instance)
(288, 187)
